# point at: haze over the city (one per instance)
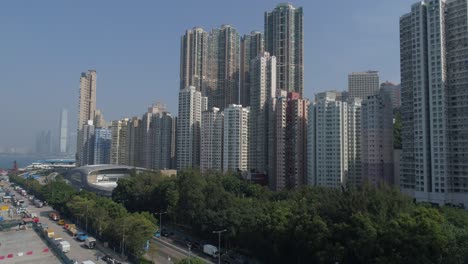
(134, 46)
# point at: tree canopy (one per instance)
(308, 225)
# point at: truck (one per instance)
(68, 226)
(38, 203)
(64, 246)
(210, 250)
(57, 240)
(81, 236)
(23, 192)
(90, 242)
(72, 231)
(54, 216)
(50, 232)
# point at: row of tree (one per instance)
(309, 225)
(110, 221)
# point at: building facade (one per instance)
(147, 155)
(393, 91)
(87, 100)
(63, 133)
(284, 40)
(191, 105)
(250, 47)
(193, 58)
(102, 146)
(86, 109)
(162, 131)
(211, 147)
(288, 137)
(333, 141)
(433, 39)
(377, 139)
(85, 140)
(236, 138)
(363, 84)
(262, 92)
(296, 141)
(119, 141)
(134, 143)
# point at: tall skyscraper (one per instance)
(393, 91)
(63, 137)
(288, 167)
(191, 105)
(86, 111)
(119, 141)
(87, 100)
(354, 154)
(134, 143)
(277, 157)
(363, 84)
(296, 140)
(210, 63)
(284, 40)
(85, 140)
(236, 138)
(262, 92)
(334, 140)
(456, 50)
(377, 139)
(102, 145)
(211, 147)
(250, 47)
(433, 39)
(193, 58)
(162, 140)
(146, 133)
(227, 92)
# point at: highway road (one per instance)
(167, 250)
(78, 251)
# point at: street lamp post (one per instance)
(160, 220)
(219, 243)
(189, 252)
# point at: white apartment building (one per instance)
(236, 138)
(333, 141)
(377, 139)
(262, 92)
(191, 105)
(433, 47)
(211, 147)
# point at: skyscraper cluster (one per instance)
(147, 142)
(350, 135)
(241, 109)
(253, 85)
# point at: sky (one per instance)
(135, 48)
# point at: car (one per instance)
(61, 222)
(81, 236)
(110, 260)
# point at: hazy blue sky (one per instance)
(134, 46)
